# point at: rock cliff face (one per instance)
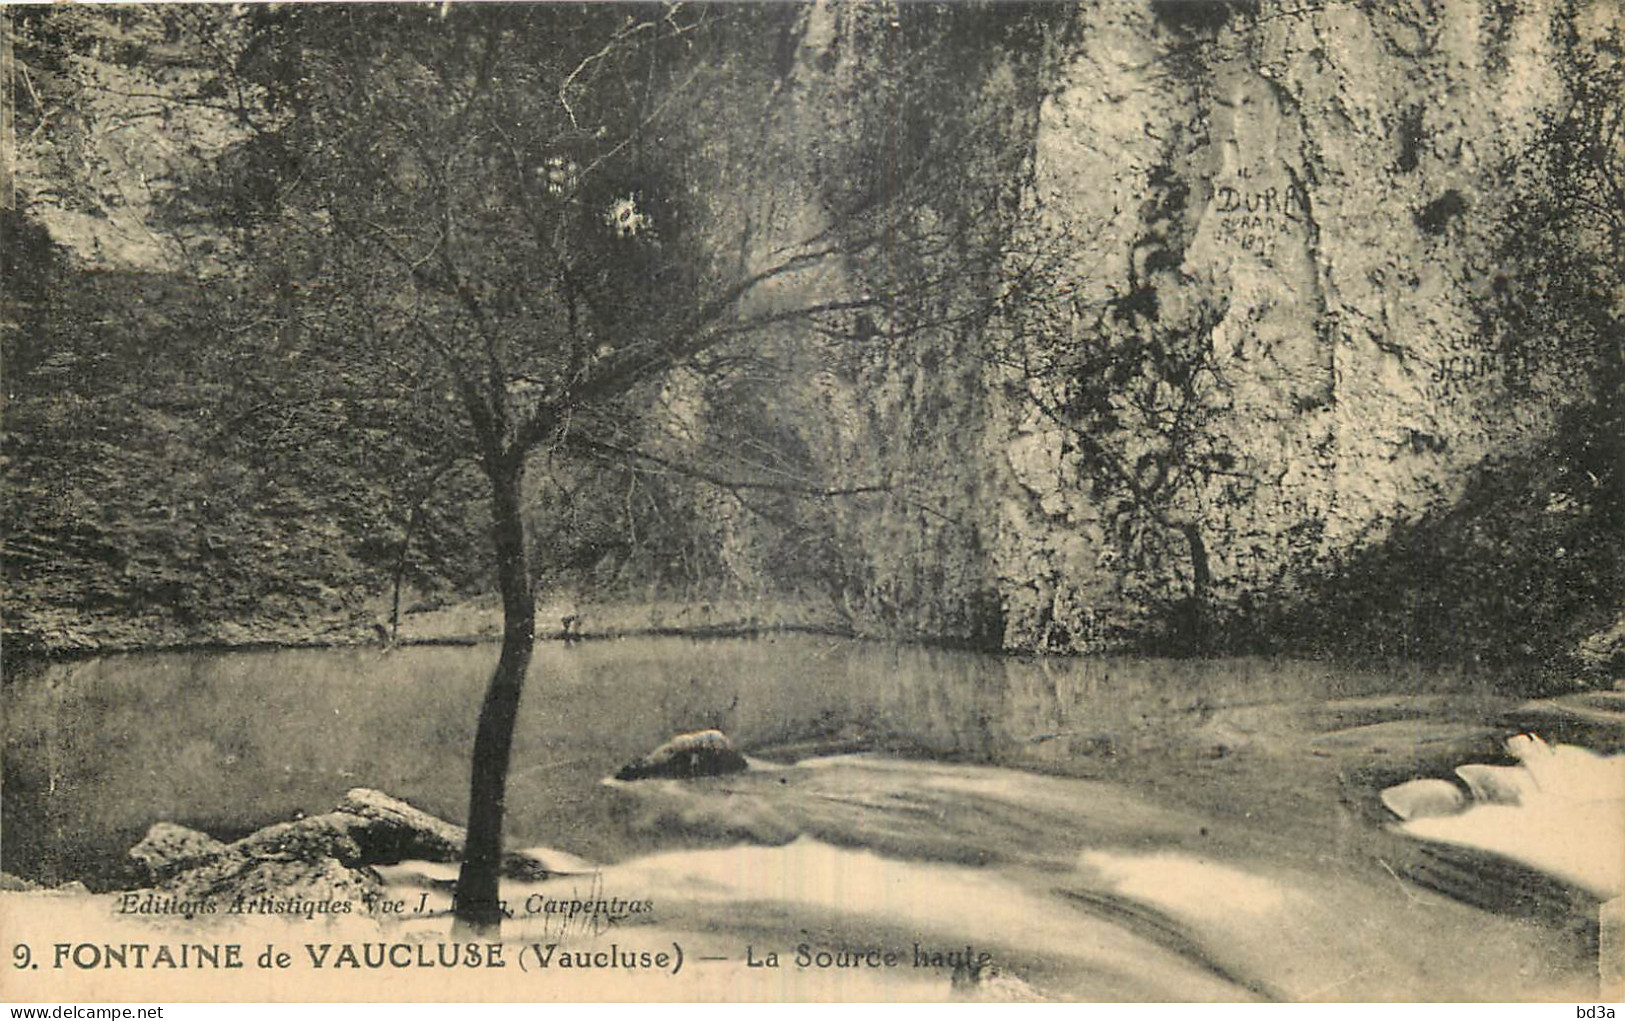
(1281, 232)
(1285, 324)
(1328, 184)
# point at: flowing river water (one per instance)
(1108, 828)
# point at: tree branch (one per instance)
(615, 452)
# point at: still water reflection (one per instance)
(97, 750)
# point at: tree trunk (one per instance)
(1195, 638)
(400, 574)
(477, 909)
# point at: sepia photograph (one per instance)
(817, 502)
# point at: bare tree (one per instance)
(530, 217)
(493, 230)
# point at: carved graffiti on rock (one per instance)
(1463, 373)
(1252, 216)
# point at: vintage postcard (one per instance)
(831, 501)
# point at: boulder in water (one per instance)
(1496, 785)
(1568, 819)
(333, 850)
(336, 835)
(393, 831)
(1423, 799)
(687, 756)
(367, 828)
(397, 831)
(306, 864)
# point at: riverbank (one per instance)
(479, 622)
(472, 622)
(570, 619)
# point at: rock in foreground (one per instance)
(403, 831)
(686, 757)
(312, 860)
(298, 886)
(168, 848)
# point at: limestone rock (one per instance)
(686, 756)
(401, 831)
(234, 876)
(1567, 823)
(1422, 799)
(371, 828)
(1495, 785)
(367, 828)
(320, 860)
(168, 847)
(336, 835)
